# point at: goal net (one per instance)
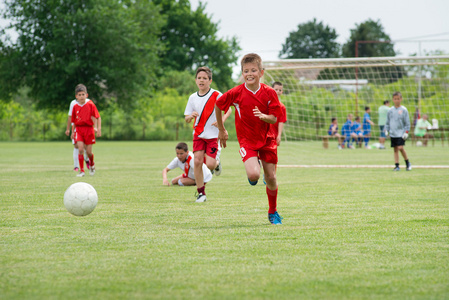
(317, 90)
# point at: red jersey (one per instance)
(281, 119)
(250, 129)
(81, 114)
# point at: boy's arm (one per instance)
(189, 118)
(99, 126)
(222, 133)
(266, 118)
(69, 123)
(165, 181)
(279, 137)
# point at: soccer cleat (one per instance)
(76, 169)
(201, 198)
(81, 174)
(252, 182)
(263, 178)
(275, 218)
(92, 170)
(396, 169)
(218, 169)
(409, 167)
(87, 164)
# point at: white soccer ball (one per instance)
(80, 199)
(418, 143)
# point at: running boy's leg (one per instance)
(81, 157)
(252, 168)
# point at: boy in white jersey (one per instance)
(205, 145)
(184, 160)
(75, 148)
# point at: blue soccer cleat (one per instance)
(252, 182)
(275, 219)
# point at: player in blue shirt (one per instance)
(357, 133)
(346, 131)
(367, 125)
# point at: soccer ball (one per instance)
(418, 143)
(80, 199)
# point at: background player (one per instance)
(367, 126)
(75, 145)
(205, 145)
(87, 124)
(279, 125)
(398, 126)
(383, 111)
(257, 106)
(185, 161)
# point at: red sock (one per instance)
(81, 161)
(91, 160)
(272, 200)
(202, 190)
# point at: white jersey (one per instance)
(187, 167)
(72, 104)
(205, 107)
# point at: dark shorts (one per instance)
(397, 142)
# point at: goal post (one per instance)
(316, 90)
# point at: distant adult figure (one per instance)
(421, 129)
(383, 111)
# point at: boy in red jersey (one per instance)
(201, 107)
(279, 125)
(87, 124)
(257, 107)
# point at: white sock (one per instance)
(86, 158)
(76, 162)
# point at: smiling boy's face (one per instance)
(251, 74)
(203, 82)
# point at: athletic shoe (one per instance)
(252, 182)
(275, 219)
(351, 147)
(87, 164)
(218, 169)
(81, 174)
(339, 147)
(409, 167)
(201, 198)
(263, 178)
(396, 169)
(92, 170)
(382, 147)
(76, 169)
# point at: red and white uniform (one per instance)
(281, 119)
(187, 166)
(72, 104)
(82, 118)
(204, 106)
(253, 134)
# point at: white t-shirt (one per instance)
(205, 107)
(176, 163)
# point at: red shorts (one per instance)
(267, 153)
(85, 134)
(210, 146)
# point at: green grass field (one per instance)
(348, 233)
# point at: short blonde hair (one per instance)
(252, 58)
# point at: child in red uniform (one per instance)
(256, 108)
(279, 125)
(87, 124)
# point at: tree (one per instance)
(311, 40)
(369, 31)
(190, 40)
(109, 45)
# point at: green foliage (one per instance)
(369, 31)
(190, 40)
(311, 40)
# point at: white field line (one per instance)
(359, 166)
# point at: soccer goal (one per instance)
(317, 90)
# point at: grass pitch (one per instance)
(354, 233)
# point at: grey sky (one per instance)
(262, 26)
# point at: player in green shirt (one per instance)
(383, 111)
